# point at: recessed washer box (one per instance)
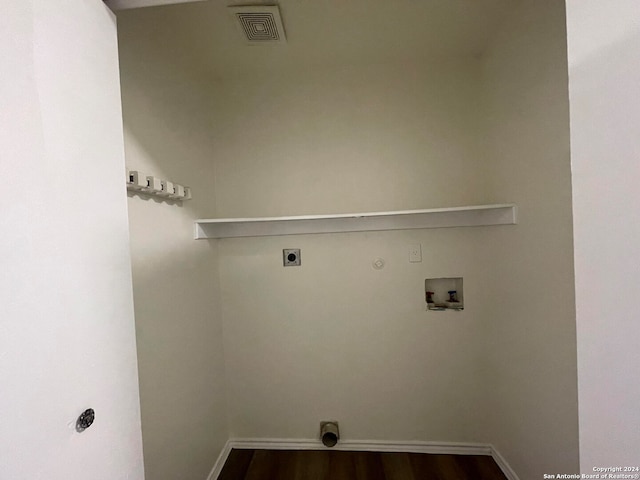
(443, 294)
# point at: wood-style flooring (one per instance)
(341, 465)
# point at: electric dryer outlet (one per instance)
(291, 257)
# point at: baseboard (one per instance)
(449, 448)
(504, 466)
(363, 445)
(217, 468)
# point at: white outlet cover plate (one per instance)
(415, 253)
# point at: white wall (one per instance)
(530, 322)
(348, 138)
(66, 324)
(336, 339)
(604, 59)
(179, 331)
(384, 137)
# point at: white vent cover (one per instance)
(260, 25)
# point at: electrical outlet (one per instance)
(291, 257)
(415, 253)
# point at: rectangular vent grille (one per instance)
(259, 25)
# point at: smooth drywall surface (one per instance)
(167, 133)
(336, 338)
(604, 73)
(349, 139)
(67, 339)
(530, 322)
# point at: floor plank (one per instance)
(311, 465)
(264, 464)
(368, 466)
(236, 465)
(421, 463)
(341, 466)
(344, 465)
(451, 467)
(397, 466)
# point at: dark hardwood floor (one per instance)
(340, 465)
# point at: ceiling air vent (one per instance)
(259, 25)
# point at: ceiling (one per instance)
(123, 4)
(319, 32)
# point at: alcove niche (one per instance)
(458, 104)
